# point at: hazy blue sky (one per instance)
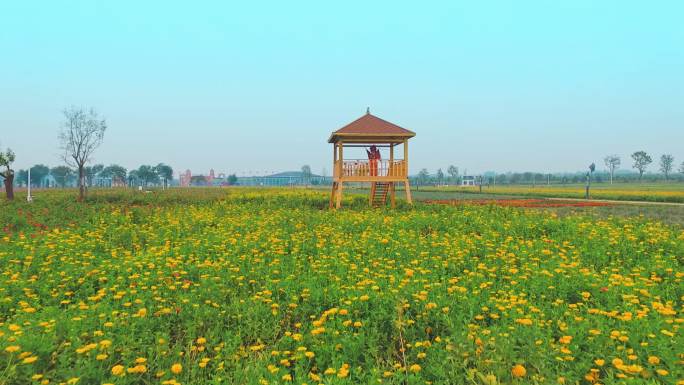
(258, 86)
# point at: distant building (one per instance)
(185, 178)
(470, 180)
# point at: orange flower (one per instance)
(176, 368)
(518, 371)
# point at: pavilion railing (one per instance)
(367, 168)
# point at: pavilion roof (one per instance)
(370, 127)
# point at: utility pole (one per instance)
(29, 198)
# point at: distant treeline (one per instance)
(97, 175)
(537, 178)
(640, 163)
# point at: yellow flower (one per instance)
(201, 341)
(29, 360)
(518, 371)
(176, 368)
(310, 354)
(12, 348)
(415, 368)
(118, 370)
(286, 377)
(599, 362)
(139, 369)
(653, 360)
(364, 298)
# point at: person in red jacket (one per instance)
(373, 158)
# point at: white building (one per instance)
(470, 180)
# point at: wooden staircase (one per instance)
(379, 192)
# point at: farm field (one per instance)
(654, 192)
(670, 213)
(239, 286)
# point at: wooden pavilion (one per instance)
(383, 174)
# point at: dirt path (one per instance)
(618, 202)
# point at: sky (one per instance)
(254, 87)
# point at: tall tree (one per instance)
(666, 162)
(232, 179)
(592, 167)
(61, 174)
(440, 176)
(306, 174)
(115, 172)
(147, 175)
(92, 172)
(133, 177)
(612, 162)
(453, 173)
(165, 172)
(6, 160)
(38, 173)
(423, 176)
(82, 132)
(21, 177)
(681, 168)
(641, 161)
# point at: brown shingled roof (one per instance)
(370, 126)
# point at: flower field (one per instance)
(269, 287)
(670, 192)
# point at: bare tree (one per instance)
(612, 162)
(6, 160)
(666, 162)
(641, 161)
(82, 132)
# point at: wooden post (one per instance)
(406, 158)
(392, 172)
(393, 198)
(338, 204)
(340, 160)
(407, 187)
(408, 192)
(332, 194)
(390, 169)
(339, 195)
(372, 193)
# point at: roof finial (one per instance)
(367, 110)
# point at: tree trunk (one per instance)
(586, 193)
(9, 186)
(81, 185)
